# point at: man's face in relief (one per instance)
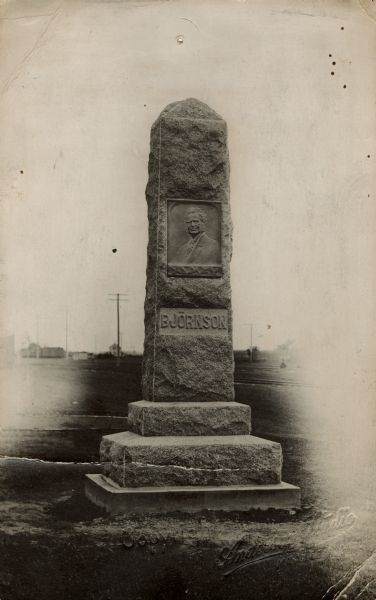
(194, 224)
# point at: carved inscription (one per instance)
(193, 321)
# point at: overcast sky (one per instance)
(82, 84)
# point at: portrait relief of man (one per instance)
(198, 247)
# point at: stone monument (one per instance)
(188, 446)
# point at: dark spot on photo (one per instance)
(114, 250)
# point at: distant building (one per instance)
(241, 356)
(32, 351)
(35, 351)
(257, 355)
(79, 355)
(56, 352)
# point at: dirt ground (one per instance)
(56, 544)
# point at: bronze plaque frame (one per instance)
(185, 257)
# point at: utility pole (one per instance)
(118, 298)
(250, 325)
(37, 353)
(66, 333)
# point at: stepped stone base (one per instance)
(135, 461)
(188, 418)
(147, 500)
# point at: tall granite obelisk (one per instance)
(188, 352)
(189, 445)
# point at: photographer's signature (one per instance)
(241, 555)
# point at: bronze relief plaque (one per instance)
(194, 239)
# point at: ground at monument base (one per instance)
(57, 544)
(189, 499)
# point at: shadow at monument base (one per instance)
(102, 570)
(71, 549)
(280, 578)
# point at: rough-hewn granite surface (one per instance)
(188, 160)
(135, 461)
(188, 418)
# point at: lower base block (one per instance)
(189, 499)
(132, 460)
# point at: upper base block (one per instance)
(188, 418)
(189, 499)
